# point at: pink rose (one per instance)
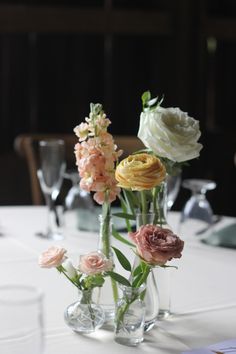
(94, 263)
(52, 257)
(157, 245)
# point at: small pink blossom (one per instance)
(157, 245)
(81, 131)
(52, 257)
(94, 263)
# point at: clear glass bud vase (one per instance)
(84, 316)
(129, 319)
(157, 297)
(151, 298)
(107, 295)
(163, 275)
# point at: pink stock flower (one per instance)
(52, 257)
(96, 155)
(157, 245)
(94, 263)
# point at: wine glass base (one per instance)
(163, 314)
(56, 236)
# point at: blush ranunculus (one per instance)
(52, 257)
(140, 172)
(94, 263)
(157, 245)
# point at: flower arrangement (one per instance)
(171, 138)
(90, 272)
(96, 157)
(154, 246)
(83, 315)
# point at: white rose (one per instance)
(70, 269)
(170, 133)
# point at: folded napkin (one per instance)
(224, 237)
(226, 347)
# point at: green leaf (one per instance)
(125, 216)
(120, 238)
(137, 280)
(122, 259)
(137, 270)
(167, 266)
(152, 102)
(124, 209)
(92, 281)
(146, 96)
(131, 199)
(119, 278)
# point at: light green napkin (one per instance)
(224, 237)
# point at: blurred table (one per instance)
(203, 288)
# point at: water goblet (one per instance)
(21, 319)
(197, 215)
(50, 175)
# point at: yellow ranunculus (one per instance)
(140, 172)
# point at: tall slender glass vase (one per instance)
(107, 295)
(157, 297)
(151, 298)
(162, 275)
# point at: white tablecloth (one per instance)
(203, 289)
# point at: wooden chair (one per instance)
(26, 145)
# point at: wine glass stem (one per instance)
(53, 218)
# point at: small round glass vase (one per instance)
(84, 316)
(129, 316)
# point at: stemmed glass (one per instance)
(50, 175)
(79, 207)
(173, 187)
(197, 215)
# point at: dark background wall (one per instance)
(58, 56)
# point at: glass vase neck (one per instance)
(157, 210)
(131, 292)
(162, 204)
(85, 296)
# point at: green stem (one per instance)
(144, 207)
(61, 270)
(154, 203)
(114, 289)
(86, 299)
(122, 310)
(106, 242)
(146, 272)
(106, 217)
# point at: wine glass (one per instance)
(173, 187)
(197, 214)
(50, 175)
(79, 207)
